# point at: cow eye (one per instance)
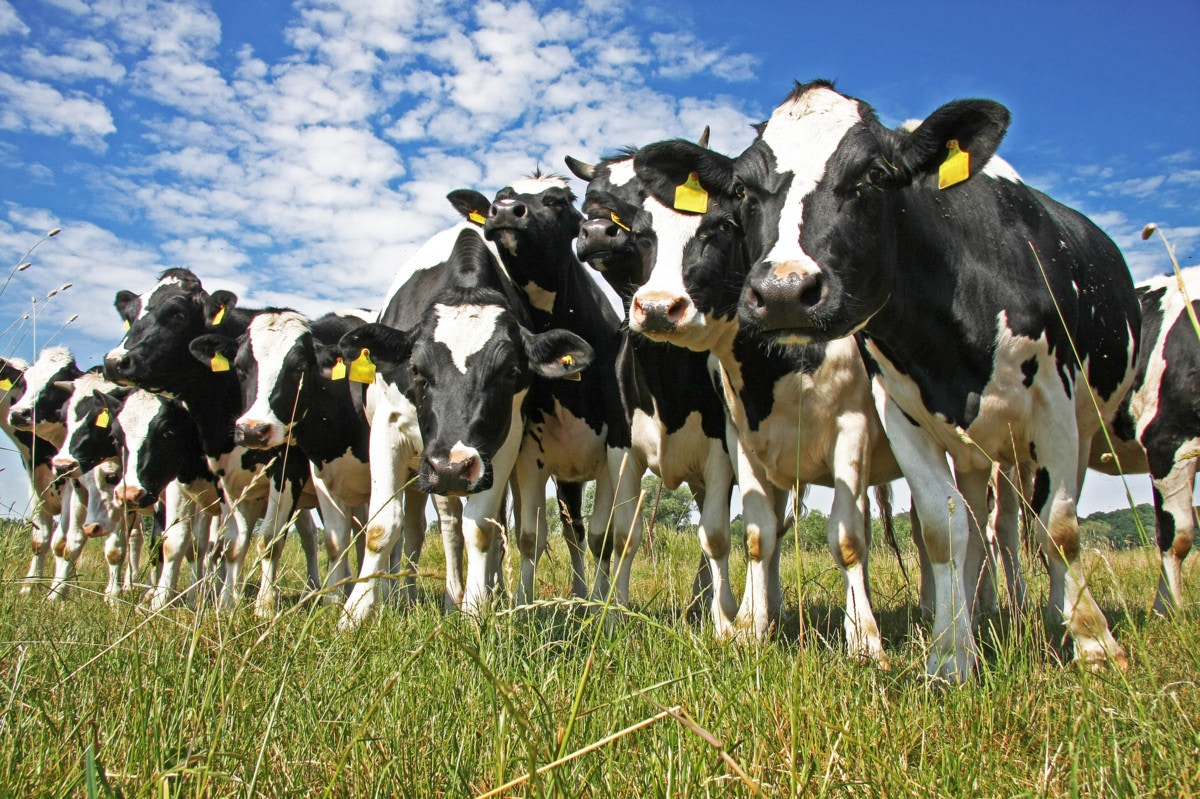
(739, 190)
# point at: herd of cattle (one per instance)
(842, 304)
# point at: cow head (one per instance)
(157, 439)
(612, 238)
(89, 438)
(42, 407)
(12, 384)
(822, 188)
(105, 514)
(162, 324)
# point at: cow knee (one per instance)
(527, 543)
(716, 545)
(114, 553)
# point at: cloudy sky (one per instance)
(295, 152)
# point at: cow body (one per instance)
(454, 361)
(849, 232)
(1157, 429)
(155, 355)
(669, 394)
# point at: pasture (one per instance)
(628, 702)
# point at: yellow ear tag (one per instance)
(338, 372)
(362, 370)
(956, 168)
(569, 360)
(218, 317)
(477, 217)
(5, 385)
(103, 418)
(691, 196)
(621, 224)
(126, 324)
(219, 363)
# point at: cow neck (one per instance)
(330, 416)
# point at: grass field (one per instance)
(633, 703)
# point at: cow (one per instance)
(453, 358)
(998, 325)
(283, 363)
(676, 414)
(576, 429)
(1157, 428)
(164, 466)
(45, 489)
(795, 417)
(155, 355)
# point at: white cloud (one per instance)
(27, 105)
(10, 21)
(681, 55)
(80, 59)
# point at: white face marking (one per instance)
(537, 185)
(621, 172)
(49, 362)
(673, 231)
(465, 329)
(272, 336)
(803, 135)
(135, 417)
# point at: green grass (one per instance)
(97, 702)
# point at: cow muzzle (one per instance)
(783, 298)
(459, 473)
(659, 312)
(65, 466)
(253, 434)
(130, 496)
(599, 237)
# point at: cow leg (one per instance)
(116, 551)
(337, 520)
(307, 532)
(532, 537)
(1006, 526)
(980, 570)
(1174, 526)
(627, 470)
(926, 600)
(405, 559)
(279, 516)
(239, 528)
(759, 509)
(714, 538)
(945, 530)
(846, 535)
(570, 513)
(449, 510)
(41, 532)
(1055, 484)
(136, 541)
(480, 526)
(69, 539)
(176, 539)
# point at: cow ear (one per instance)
(218, 304)
(974, 127)
(210, 349)
(112, 403)
(557, 353)
(471, 204)
(666, 165)
(128, 305)
(581, 170)
(326, 356)
(386, 345)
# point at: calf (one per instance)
(155, 355)
(164, 465)
(796, 418)
(283, 362)
(45, 497)
(995, 322)
(576, 430)
(676, 415)
(1157, 427)
(454, 360)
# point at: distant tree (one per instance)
(1118, 529)
(672, 509)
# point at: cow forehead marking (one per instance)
(465, 329)
(673, 231)
(538, 185)
(803, 135)
(38, 376)
(621, 173)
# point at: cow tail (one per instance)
(883, 498)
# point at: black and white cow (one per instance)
(971, 301)
(576, 429)
(45, 489)
(155, 355)
(454, 358)
(1157, 428)
(283, 361)
(676, 414)
(164, 465)
(796, 417)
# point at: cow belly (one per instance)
(675, 457)
(570, 448)
(347, 478)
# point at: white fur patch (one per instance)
(48, 364)
(538, 185)
(621, 172)
(997, 167)
(803, 134)
(136, 415)
(465, 329)
(540, 298)
(433, 252)
(272, 337)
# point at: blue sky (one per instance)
(296, 152)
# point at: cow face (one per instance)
(12, 384)
(162, 323)
(613, 235)
(469, 364)
(89, 428)
(528, 219)
(273, 359)
(692, 289)
(822, 186)
(42, 407)
(105, 514)
(157, 439)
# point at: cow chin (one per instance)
(451, 485)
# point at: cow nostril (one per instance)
(811, 291)
(519, 210)
(676, 309)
